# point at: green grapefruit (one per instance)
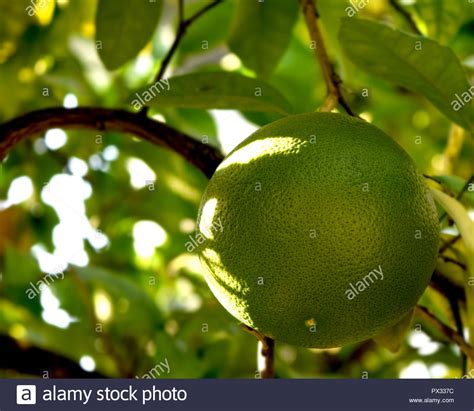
(318, 231)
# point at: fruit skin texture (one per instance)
(306, 206)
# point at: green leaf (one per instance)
(20, 274)
(442, 18)
(392, 338)
(466, 228)
(20, 268)
(261, 31)
(197, 123)
(416, 63)
(204, 32)
(119, 286)
(124, 29)
(461, 217)
(220, 90)
(456, 184)
(331, 13)
(14, 20)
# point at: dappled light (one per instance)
(142, 235)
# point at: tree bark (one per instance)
(203, 156)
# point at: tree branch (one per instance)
(333, 81)
(266, 353)
(204, 157)
(456, 310)
(183, 25)
(447, 331)
(455, 296)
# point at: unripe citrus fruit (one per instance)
(318, 230)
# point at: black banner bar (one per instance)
(294, 395)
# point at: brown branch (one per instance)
(445, 286)
(447, 331)
(333, 81)
(267, 351)
(204, 157)
(183, 25)
(266, 347)
(407, 16)
(452, 261)
(455, 296)
(456, 311)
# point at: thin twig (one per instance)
(407, 16)
(333, 81)
(433, 179)
(465, 187)
(266, 352)
(180, 11)
(203, 156)
(459, 195)
(455, 309)
(447, 331)
(455, 296)
(449, 243)
(438, 181)
(452, 261)
(204, 10)
(181, 29)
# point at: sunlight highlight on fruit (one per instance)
(253, 150)
(206, 222)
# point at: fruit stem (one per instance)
(265, 353)
(331, 78)
(266, 358)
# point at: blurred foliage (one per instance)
(132, 305)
